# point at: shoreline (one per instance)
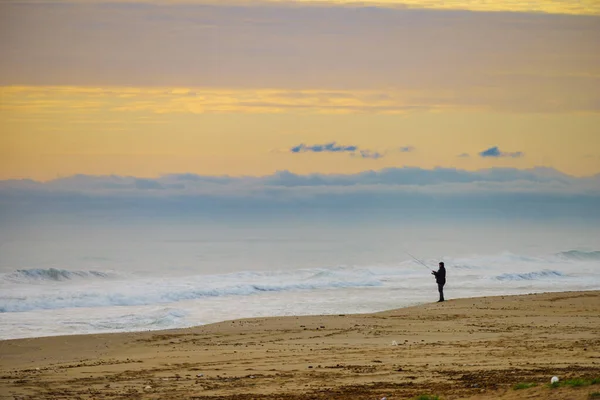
(158, 330)
(475, 348)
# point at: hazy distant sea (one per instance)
(73, 278)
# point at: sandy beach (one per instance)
(476, 348)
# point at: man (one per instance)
(440, 278)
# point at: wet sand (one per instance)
(475, 348)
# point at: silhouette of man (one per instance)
(440, 278)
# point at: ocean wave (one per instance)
(580, 255)
(51, 274)
(530, 276)
(147, 293)
(37, 289)
(486, 262)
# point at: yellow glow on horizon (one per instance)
(21, 100)
(57, 131)
(580, 7)
(24, 101)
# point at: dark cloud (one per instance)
(446, 180)
(332, 147)
(539, 193)
(496, 153)
(323, 148)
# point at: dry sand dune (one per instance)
(461, 349)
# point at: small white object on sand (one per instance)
(554, 379)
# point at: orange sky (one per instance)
(146, 89)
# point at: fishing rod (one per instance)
(417, 260)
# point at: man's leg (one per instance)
(441, 290)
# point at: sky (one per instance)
(253, 110)
(249, 88)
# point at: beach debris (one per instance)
(148, 387)
(199, 375)
(554, 379)
(384, 398)
(394, 343)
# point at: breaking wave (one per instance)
(139, 292)
(51, 274)
(54, 289)
(530, 276)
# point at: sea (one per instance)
(80, 278)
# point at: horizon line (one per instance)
(537, 168)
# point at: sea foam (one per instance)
(43, 301)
